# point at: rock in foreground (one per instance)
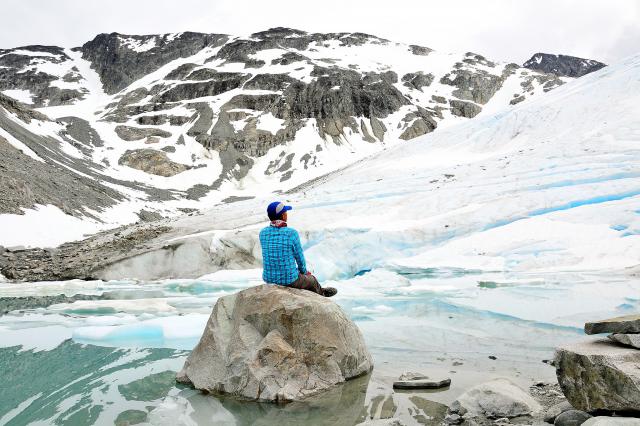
(495, 399)
(599, 376)
(271, 343)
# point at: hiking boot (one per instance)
(329, 291)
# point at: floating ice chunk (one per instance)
(178, 332)
(377, 309)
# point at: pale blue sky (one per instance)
(510, 30)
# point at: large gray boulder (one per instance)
(599, 376)
(271, 343)
(496, 399)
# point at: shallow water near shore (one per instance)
(112, 360)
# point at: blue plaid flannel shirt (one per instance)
(282, 255)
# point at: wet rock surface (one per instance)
(271, 343)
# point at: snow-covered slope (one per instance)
(184, 121)
(550, 185)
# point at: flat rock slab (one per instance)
(624, 325)
(632, 340)
(421, 384)
(599, 375)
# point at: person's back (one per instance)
(282, 256)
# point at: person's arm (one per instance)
(298, 253)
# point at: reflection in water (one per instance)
(343, 406)
(119, 368)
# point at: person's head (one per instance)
(278, 211)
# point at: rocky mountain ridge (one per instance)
(175, 122)
(562, 65)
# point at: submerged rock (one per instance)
(495, 399)
(623, 325)
(270, 343)
(599, 376)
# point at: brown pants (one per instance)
(307, 282)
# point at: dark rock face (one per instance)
(119, 65)
(417, 80)
(151, 161)
(218, 84)
(464, 109)
(562, 65)
(16, 73)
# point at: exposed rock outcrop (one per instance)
(271, 343)
(562, 65)
(128, 133)
(121, 59)
(152, 161)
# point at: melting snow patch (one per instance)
(269, 123)
(138, 45)
(20, 95)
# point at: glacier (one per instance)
(498, 236)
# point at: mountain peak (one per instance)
(562, 65)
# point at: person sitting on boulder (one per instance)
(282, 255)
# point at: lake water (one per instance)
(113, 360)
